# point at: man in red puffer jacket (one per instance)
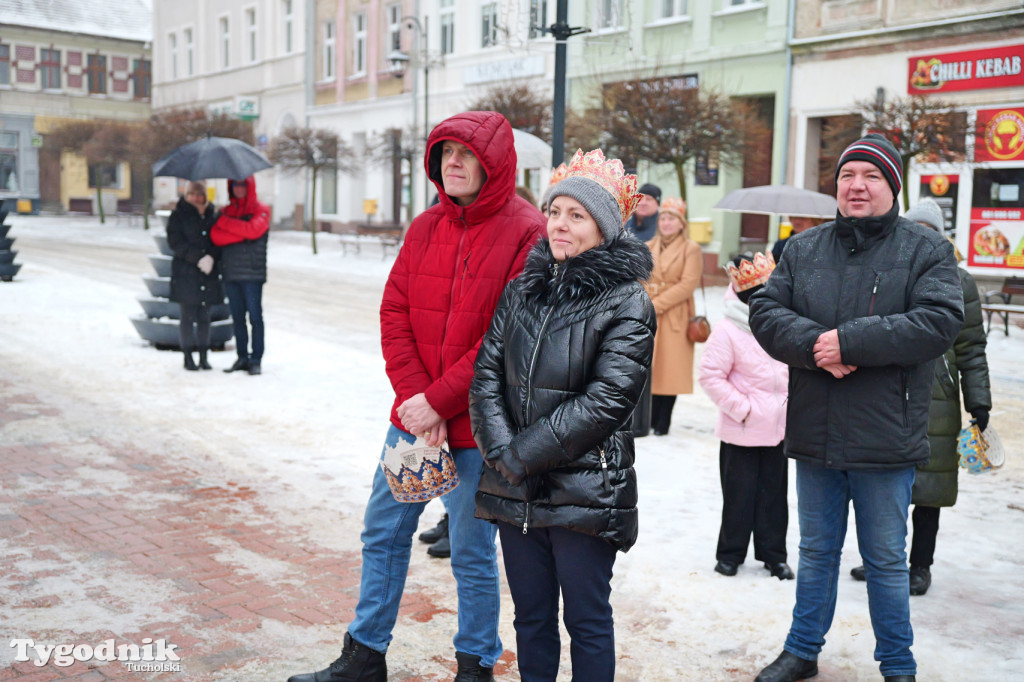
(242, 230)
(438, 302)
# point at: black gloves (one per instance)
(981, 417)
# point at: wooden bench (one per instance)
(80, 205)
(1003, 307)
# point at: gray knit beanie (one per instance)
(598, 201)
(927, 211)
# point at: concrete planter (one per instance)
(160, 323)
(8, 268)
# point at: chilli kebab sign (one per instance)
(996, 67)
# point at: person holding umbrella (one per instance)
(241, 231)
(195, 275)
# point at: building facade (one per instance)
(56, 67)
(969, 54)
(247, 59)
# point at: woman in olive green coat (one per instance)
(963, 369)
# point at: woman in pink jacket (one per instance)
(750, 390)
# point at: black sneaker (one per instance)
(436, 533)
(357, 663)
(240, 364)
(470, 669)
(442, 549)
(920, 580)
(726, 568)
(858, 573)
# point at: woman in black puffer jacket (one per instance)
(557, 377)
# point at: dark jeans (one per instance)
(247, 297)
(754, 501)
(194, 330)
(661, 412)
(538, 565)
(926, 529)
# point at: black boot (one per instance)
(901, 678)
(204, 363)
(240, 364)
(254, 368)
(442, 549)
(436, 533)
(920, 580)
(470, 669)
(190, 364)
(726, 568)
(858, 573)
(781, 570)
(788, 668)
(357, 663)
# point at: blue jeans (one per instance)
(881, 501)
(387, 541)
(541, 566)
(247, 297)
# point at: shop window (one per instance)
(998, 188)
(49, 68)
(108, 174)
(8, 161)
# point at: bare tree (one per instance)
(920, 127)
(102, 143)
(391, 149)
(667, 120)
(519, 102)
(315, 150)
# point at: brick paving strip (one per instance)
(166, 553)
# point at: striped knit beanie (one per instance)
(876, 149)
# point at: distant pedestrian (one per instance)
(859, 309)
(438, 303)
(749, 389)
(557, 378)
(678, 267)
(195, 273)
(242, 230)
(963, 369)
(643, 224)
(799, 224)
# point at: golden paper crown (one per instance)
(558, 174)
(608, 173)
(676, 206)
(751, 273)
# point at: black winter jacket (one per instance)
(890, 287)
(246, 261)
(964, 367)
(188, 235)
(557, 377)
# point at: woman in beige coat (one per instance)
(678, 266)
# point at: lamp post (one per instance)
(398, 61)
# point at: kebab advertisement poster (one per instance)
(997, 238)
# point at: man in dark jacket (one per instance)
(859, 309)
(437, 305)
(644, 221)
(242, 230)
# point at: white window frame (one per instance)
(358, 44)
(489, 24)
(327, 29)
(224, 41)
(251, 26)
(188, 38)
(393, 15)
(447, 16)
(288, 27)
(537, 16)
(172, 49)
(677, 11)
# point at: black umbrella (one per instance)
(212, 157)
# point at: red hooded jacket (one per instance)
(450, 272)
(230, 228)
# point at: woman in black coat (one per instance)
(195, 276)
(557, 378)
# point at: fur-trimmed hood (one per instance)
(582, 277)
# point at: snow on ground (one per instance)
(307, 433)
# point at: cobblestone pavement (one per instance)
(165, 552)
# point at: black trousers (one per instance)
(194, 331)
(754, 492)
(661, 412)
(539, 565)
(926, 529)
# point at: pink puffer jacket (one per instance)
(749, 387)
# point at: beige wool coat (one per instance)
(675, 277)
